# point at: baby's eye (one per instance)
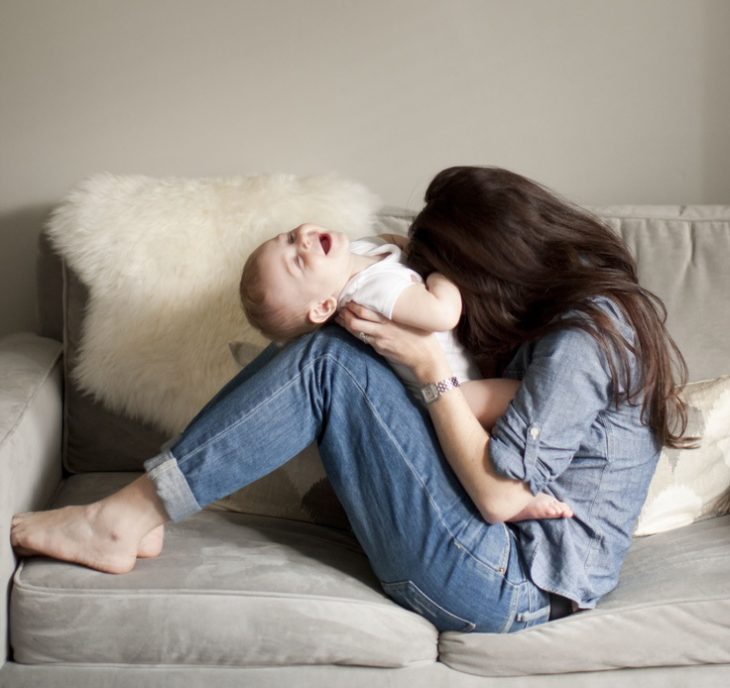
(290, 238)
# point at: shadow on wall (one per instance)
(19, 232)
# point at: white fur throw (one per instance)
(162, 259)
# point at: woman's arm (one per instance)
(464, 441)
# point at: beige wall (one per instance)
(607, 101)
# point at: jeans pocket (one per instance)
(488, 544)
(407, 594)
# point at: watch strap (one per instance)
(433, 390)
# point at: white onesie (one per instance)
(378, 287)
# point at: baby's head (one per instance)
(289, 284)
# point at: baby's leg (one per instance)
(489, 399)
(543, 506)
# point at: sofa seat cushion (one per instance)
(671, 608)
(228, 589)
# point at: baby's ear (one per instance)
(322, 311)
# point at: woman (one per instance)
(551, 299)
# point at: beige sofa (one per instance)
(250, 600)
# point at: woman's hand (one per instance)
(416, 349)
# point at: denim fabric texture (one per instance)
(562, 435)
(426, 542)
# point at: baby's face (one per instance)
(304, 266)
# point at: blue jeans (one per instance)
(426, 541)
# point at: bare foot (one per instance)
(79, 534)
(543, 506)
(150, 545)
(106, 535)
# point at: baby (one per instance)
(296, 281)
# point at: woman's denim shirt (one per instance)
(562, 435)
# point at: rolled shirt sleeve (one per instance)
(566, 385)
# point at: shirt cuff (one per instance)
(514, 451)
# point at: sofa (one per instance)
(250, 597)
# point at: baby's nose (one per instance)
(304, 236)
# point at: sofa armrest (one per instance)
(30, 440)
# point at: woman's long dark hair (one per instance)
(523, 258)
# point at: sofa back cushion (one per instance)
(682, 254)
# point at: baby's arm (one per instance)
(398, 239)
(435, 306)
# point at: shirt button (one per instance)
(534, 432)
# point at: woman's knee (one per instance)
(340, 345)
(333, 337)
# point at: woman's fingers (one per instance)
(357, 327)
(357, 319)
(364, 313)
(400, 343)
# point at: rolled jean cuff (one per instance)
(172, 488)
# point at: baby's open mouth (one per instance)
(326, 242)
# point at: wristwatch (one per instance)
(433, 390)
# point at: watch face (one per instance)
(429, 392)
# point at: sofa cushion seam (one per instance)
(161, 592)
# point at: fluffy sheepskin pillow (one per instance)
(693, 484)
(162, 259)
